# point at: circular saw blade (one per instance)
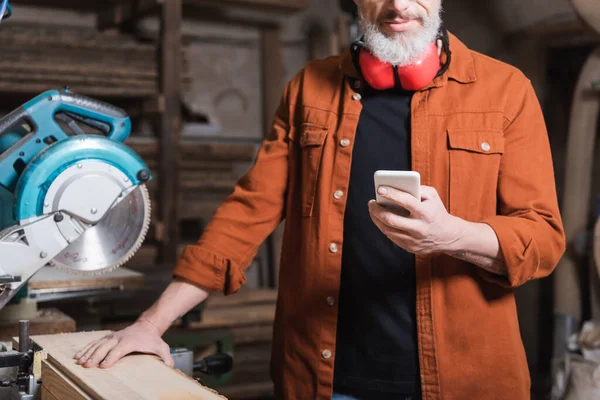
(113, 240)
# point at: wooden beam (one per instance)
(90, 5)
(57, 386)
(273, 74)
(281, 4)
(170, 127)
(273, 83)
(125, 12)
(278, 5)
(561, 32)
(47, 321)
(49, 278)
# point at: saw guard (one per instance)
(48, 164)
(36, 189)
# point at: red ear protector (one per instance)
(416, 76)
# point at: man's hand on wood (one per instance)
(141, 337)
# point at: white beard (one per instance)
(402, 48)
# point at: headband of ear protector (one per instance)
(416, 76)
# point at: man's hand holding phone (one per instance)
(426, 227)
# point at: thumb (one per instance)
(428, 193)
(164, 352)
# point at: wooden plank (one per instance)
(123, 13)
(235, 317)
(46, 395)
(47, 321)
(249, 390)
(134, 377)
(170, 127)
(280, 5)
(58, 41)
(273, 74)
(97, 69)
(99, 5)
(57, 385)
(252, 334)
(243, 298)
(252, 308)
(273, 84)
(92, 5)
(243, 335)
(559, 32)
(53, 278)
(148, 149)
(89, 5)
(90, 90)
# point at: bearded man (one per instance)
(375, 304)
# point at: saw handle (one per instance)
(11, 119)
(31, 128)
(96, 110)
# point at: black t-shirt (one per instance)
(376, 354)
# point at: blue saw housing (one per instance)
(35, 148)
(47, 165)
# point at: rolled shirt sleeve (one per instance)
(245, 219)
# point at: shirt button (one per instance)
(485, 146)
(356, 96)
(326, 354)
(345, 142)
(330, 301)
(338, 194)
(333, 248)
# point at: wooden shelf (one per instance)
(560, 32)
(88, 5)
(195, 151)
(125, 12)
(92, 91)
(277, 5)
(36, 58)
(96, 5)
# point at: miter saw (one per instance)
(79, 199)
(76, 193)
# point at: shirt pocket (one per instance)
(474, 157)
(311, 140)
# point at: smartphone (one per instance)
(407, 181)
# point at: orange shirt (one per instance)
(478, 137)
